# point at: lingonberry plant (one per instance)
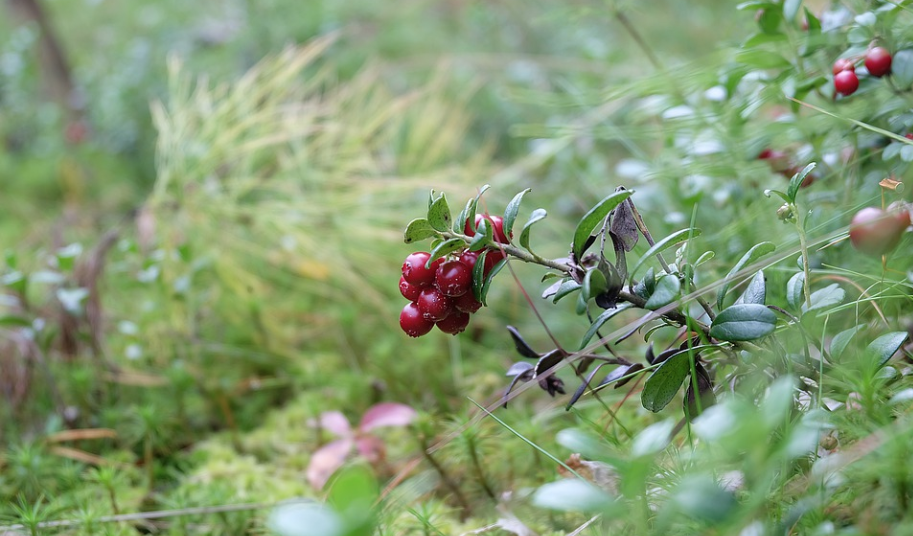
(710, 347)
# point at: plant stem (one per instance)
(445, 478)
(803, 244)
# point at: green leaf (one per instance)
(478, 276)
(796, 181)
(753, 254)
(882, 348)
(600, 320)
(594, 217)
(756, 292)
(842, 339)
(706, 256)
(15, 321)
(668, 289)
(469, 211)
(791, 9)
(418, 229)
(484, 236)
(444, 248)
(567, 287)
(902, 69)
(795, 290)
(510, 213)
(700, 497)
(661, 386)
(353, 488)
(594, 283)
(439, 214)
(653, 439)
(814, 24)
(743, 322)
(573, 495)
(663, 245)
(538, 215)
(769, 21)
(829, 296)
(481, 283)
(780, 194)
(761, 59)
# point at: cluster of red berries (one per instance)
(440, 293)
(877, 63)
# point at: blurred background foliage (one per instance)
(202, 233)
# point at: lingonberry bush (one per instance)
(715, 343)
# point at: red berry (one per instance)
(844, 64)
(876, 232)
(878, 61)
(494, 257)
(469, 258)
(453, 278)
(414, 270)
(455, 323)
(411, 321)
(497, 231)
(467, 303)
(846, 82)
(408, 290)
(909, 135)
(434, 305)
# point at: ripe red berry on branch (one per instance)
(846, 82)
(878, 61)
(844, 64)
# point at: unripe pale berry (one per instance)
(876, 232)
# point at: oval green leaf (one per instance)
(756, 292)
(842, 340)
(439, 214)
(661, 386)
(887, 345)
(795, 290)
(743, 322)
(796, 181)
(828, 296)
(663, 245)
(538, 215)
(600, 320)
(444, 248)
(418, 229)
(756, 252)
(594, 217)
(510, 213)
(668, 289)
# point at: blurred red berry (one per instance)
(878, 61)
(844, 64)
(846, 83)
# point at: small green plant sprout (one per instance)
(330, 457)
